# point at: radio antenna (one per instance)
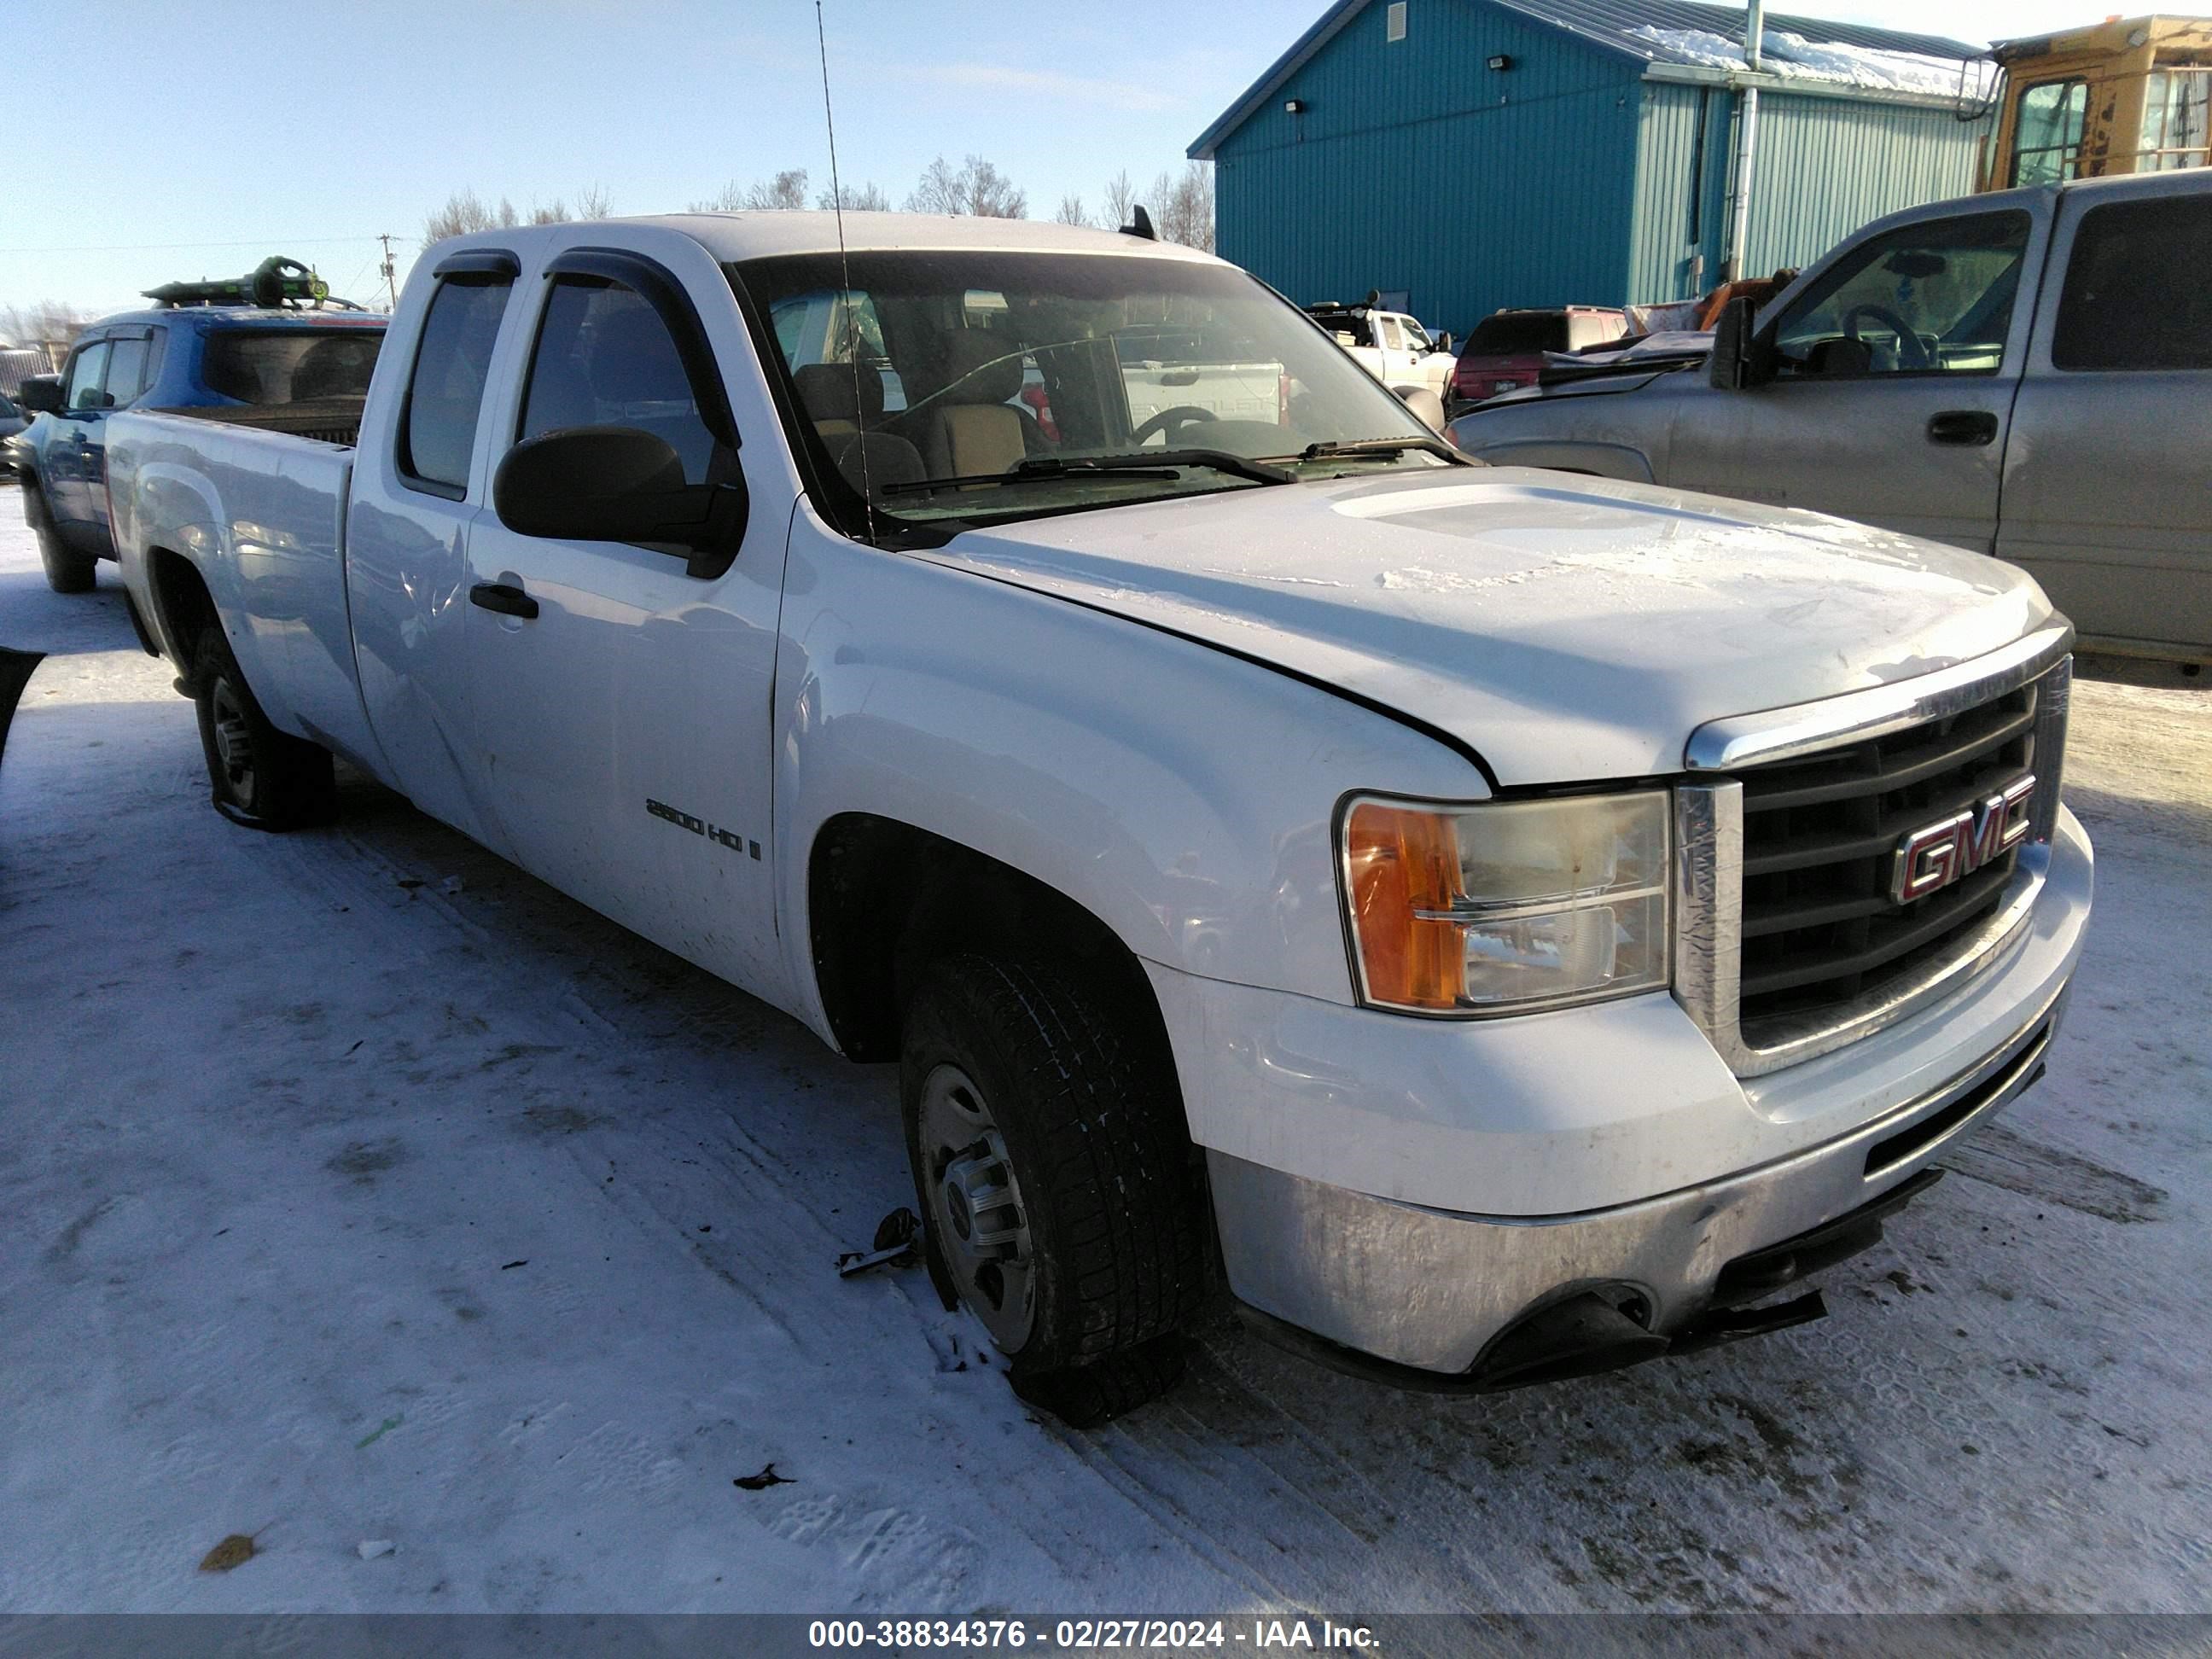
(845, 279)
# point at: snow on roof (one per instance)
(1792, 56)
(1689, 32)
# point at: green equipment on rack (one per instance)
(276, 282)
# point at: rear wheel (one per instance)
(261, 776)
(66, 572)
(1060, 1198)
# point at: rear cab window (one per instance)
(2135, 295)
(445, 392)
(267, 367)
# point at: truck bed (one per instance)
(326, 420)
(254, 498)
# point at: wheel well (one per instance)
(183, 604)
(884, 899)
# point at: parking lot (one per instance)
(363, 1189)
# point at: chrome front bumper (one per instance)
(1434, 1290)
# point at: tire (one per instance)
(66, 572)
(1062, 1199)
(260, 776)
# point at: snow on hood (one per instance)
(1564, 628)
(1794, 56)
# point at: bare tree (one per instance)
(977, 187)
(51, 322)
(1071, 212)
(1121, 197)
(1183, 206)
(787, 190)
(857, 198)
(464, 212)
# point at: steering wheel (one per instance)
(1911, 350)
(1181, 415)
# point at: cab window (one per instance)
(438, 425)
(127, 371)
(86, 371)
(2136, 296)
(2047, 132)
(603, 357)
(1930, 299)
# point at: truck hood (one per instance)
(1563, 627)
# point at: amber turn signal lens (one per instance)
(1402, 859)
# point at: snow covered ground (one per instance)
(361, 1188)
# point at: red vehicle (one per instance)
(1506, 349)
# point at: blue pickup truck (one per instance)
(180, 354)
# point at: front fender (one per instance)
(1183, 797)
(1604, 460)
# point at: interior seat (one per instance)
(968, 425)
(840, 398)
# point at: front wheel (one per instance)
(262, 777)
(1062, 1199)
(67, 571)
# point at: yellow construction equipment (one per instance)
(2125, 96)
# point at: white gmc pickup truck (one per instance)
(1496, 926)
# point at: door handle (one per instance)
(504, 597)
(1970, 426)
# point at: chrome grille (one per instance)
(1788, 942)
(1820, 928)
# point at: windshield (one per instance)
(1053, 382)
(290, 366)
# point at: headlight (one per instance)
(1508, 906)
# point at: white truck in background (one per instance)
(1494, 926)
(1390, 345)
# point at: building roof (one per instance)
(1684, 34)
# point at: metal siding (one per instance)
(1827, 165)
(1418, 167)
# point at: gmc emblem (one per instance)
(1936, 854)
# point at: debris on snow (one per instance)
(234, 1551)
(895, 1238)
(379, 1432)
(768, 1477)
(369, 1548)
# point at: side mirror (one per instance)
(40, 394)
(1737, 362)
(1425, 404)
(1444, 343)
(616, 483)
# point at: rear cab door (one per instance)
(1896, 364)
(421, 474)
(2108, 476)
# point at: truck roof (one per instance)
(216, 317)
(736, 236)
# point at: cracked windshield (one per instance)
(967, 386)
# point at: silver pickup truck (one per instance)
(2027, 373)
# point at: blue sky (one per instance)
(192, 140)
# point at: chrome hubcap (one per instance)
(981, 1224)
(233, 743)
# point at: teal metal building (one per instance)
(1462, 156)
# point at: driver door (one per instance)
(1895, 372)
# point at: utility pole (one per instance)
(391, 284)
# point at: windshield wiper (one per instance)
(1334, 448)
(1143, 464)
